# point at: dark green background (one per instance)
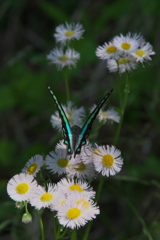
(130, 201)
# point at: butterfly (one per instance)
(75, 136)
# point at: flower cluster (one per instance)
(64, 55)
(123, 53)
(72, 198)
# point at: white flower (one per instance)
(143, 52)
(108, 50)
(74, 115)
(62, 59)
(80, 168)
(128, 43)
(42, 198)
(21, 186)
(67, 31)
(110, 114)
(67, 186)
(57, 161)
(76, 211)
(33, 165)
(123, 64)
(107, 160)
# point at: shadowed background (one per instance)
(130, 201)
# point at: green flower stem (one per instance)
(55, 226)
(100, 186)
(66, 83)
(85, 237)
(74, 234)
(41, 225)
(123, 107)
(26, 208)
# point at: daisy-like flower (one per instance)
(67, 186)
(143, 53)
(21, 186)
(62, 59)
(80, 168)
(110, 114)
(108, 50)
(121, 65)
(57, 161)
(74, 115)
(128, 43)
(43, 198)
(76, 211)
(69, 32)
(33, 165)
(107, 160)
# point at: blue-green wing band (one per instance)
(67, 133)
(88, 124)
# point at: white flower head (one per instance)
(33, 165)
(63, 59)
(21, 186)
(128, 43)
(143, 53)
(76, 211)
(107, 160)
(67, 186)
(74, 115)
(80, 168)
(66, 32)
(57, 162)
(108, 115)
(111, 115)
(121, 65)
(108, 50)
(42, 198)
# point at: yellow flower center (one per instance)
(126, 46)
(22, 188)
(69, 33)
(73, 213)
(96, 152)
(108, 160)
(140, 53)
(76, 187)
(46, 197)
(104, 114)
(62, 202)
(69, 115)
(123, 61)
(111, 49)
(84, 203)
(62, 162)
(63, 58)
(31, 169)
(80, 167)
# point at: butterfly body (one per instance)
(75, 136)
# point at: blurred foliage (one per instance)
(130, 201)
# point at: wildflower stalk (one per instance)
(74, 234)
(85, 237)
(41, 225)
(123, 107)
(66, 84)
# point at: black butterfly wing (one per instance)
(67, 132)
(88, 124)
